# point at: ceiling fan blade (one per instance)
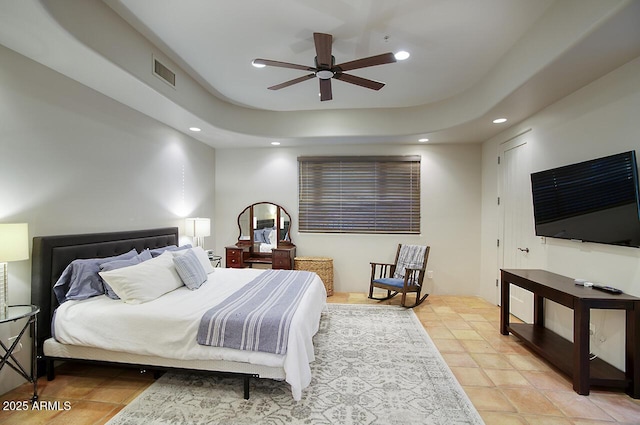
(359, 81)
(325, 90)
(366, 62)
(291, 82)
(268, 62)
(323, 48)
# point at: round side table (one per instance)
(14, 313)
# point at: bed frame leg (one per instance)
(51, 374)
(246, 380)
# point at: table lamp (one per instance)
(198, 228)
(14, 246)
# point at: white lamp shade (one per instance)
(14, 242)
(198, 227)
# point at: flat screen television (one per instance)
(591, 201)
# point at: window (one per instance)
(359, 194)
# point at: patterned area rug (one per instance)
(374, 365)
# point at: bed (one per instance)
(52, 255)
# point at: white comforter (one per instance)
(167, 326)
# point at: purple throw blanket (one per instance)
(257, 317)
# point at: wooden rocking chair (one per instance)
(404, 276)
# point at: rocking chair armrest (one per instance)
(410, 273)
(380, 270)
(411, 270)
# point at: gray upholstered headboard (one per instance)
(52, 254)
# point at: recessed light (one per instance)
(275, 143)
(499, 120)
(423, 140)
(195, 129)
(257, 65)
(402, 55)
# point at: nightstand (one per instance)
(14, 313)
(216, 260)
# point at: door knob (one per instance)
(524, 250)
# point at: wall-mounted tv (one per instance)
(591, 201)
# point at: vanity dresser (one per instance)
(264, 239)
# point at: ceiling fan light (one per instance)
(257, 65)
(324, 74)
(402, 55)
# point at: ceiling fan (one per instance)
(326, 69)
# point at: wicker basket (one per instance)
(323, 266)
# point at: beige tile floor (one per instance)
(505, 382)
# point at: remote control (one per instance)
(608, 289)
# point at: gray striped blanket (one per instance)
(257, 317)
(409, 257)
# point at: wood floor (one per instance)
(505, 382)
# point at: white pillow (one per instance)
(145, 281)
(202, 257)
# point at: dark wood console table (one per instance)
(573, 357)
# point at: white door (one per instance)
(516, 213)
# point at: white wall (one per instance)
(75, 161)
(598, 120)
(450, 208)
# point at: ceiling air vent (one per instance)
(164, 73)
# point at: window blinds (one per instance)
(359, 194)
